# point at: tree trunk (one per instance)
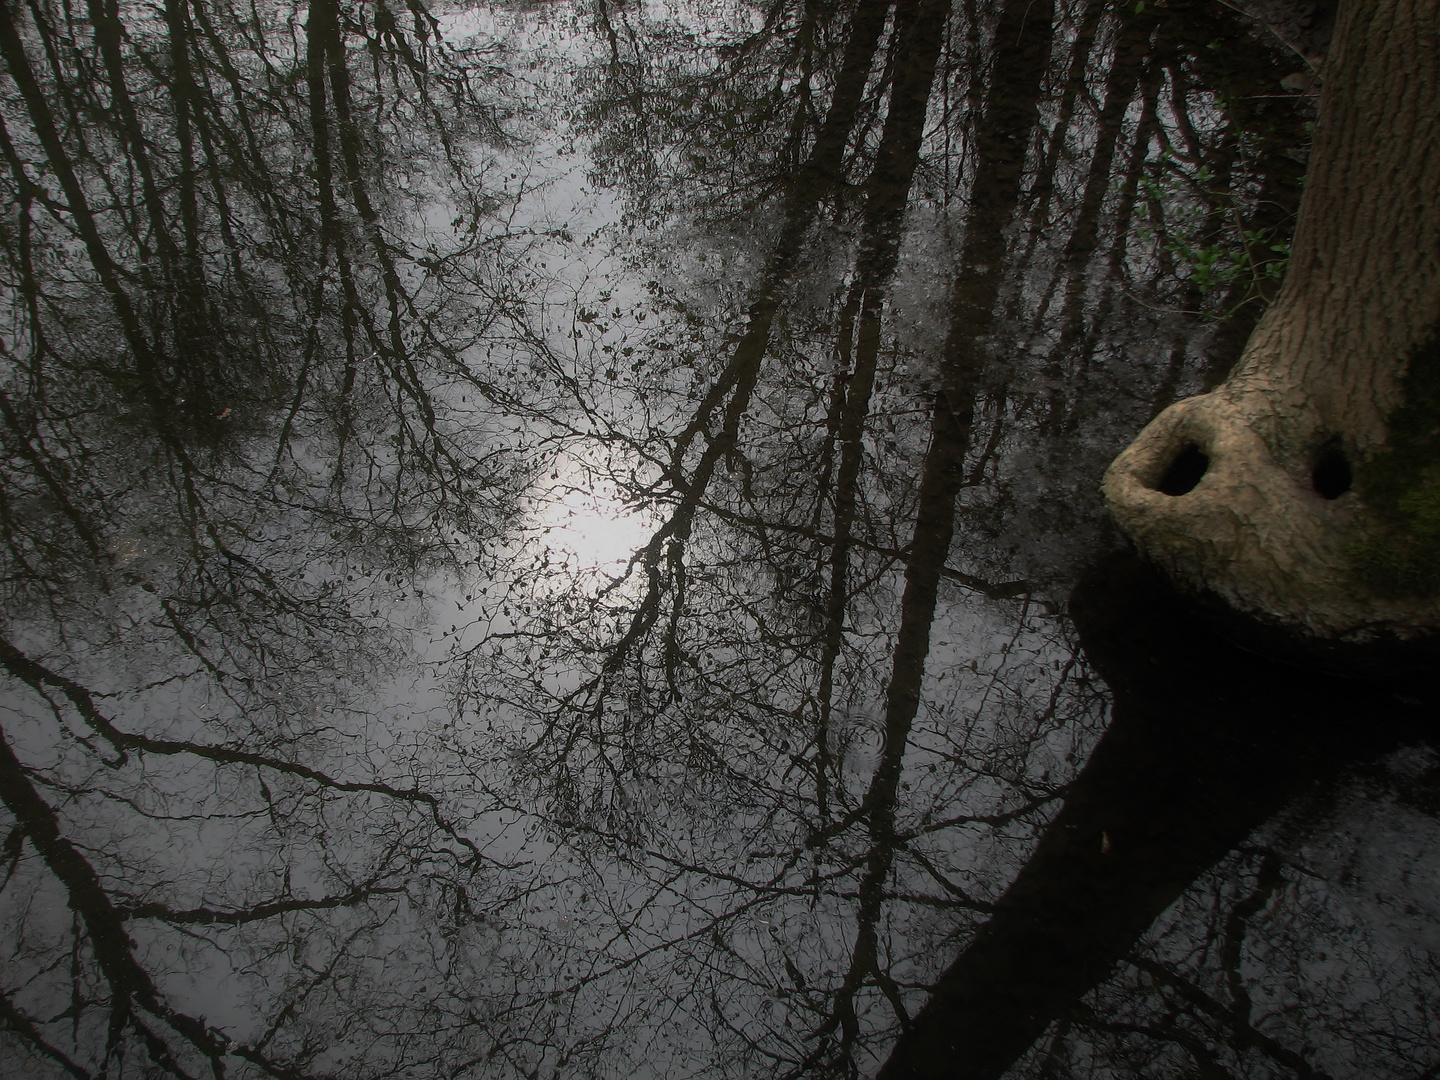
(1245, 492)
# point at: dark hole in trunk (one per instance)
(1332, 477)
(1184, 472)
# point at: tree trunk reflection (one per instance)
(1206, 743)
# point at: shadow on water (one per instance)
(1207, 742)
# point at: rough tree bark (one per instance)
(1272, 523)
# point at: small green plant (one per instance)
(1218, 266)
(1401, 489)
(1213, 257)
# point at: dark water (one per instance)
(560, 541)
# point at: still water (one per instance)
(563, 540)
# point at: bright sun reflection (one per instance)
(595, 531)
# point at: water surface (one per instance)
(563, 540)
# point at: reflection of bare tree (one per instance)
(1020, 60)
(237, 357)
(140, 924)
(661, 564)
(135, 1015)
(183, 279)
(728, 136)
(920, 33)
(234, 280)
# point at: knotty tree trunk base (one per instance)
(1256, 531)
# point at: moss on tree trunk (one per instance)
(1400, 486)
